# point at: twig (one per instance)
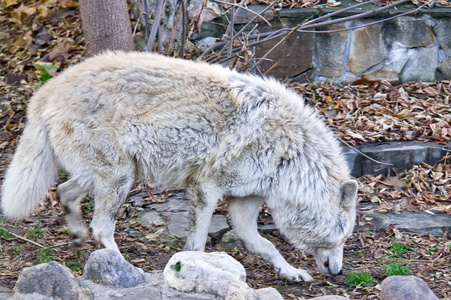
(276, 45)
(175, 29)
(338, 12)
(361, 153)
(232, 28)
(244, 8)
(354, 17)
(62, 244)
(302, 28)
(146, 18)
(255, 17)
(155, 26)
(184, 29)
(24, 239)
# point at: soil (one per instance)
(427, 256)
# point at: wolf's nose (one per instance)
(341, 272)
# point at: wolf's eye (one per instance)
(341, 222)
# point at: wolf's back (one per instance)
(31, 173)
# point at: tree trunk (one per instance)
(106, 25)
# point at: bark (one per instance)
(106, 25)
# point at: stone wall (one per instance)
(408, 48)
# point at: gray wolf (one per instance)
(119, 117)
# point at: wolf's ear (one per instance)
(348, 192)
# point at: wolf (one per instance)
(118, 117)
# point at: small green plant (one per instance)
(87, 203)
(396, 268)
(45, 255)
(282, 288)
(74, 265)
(178, 266)
(4, 233)
(398, 249)
(235, 251)
(17, 250)
(361, 278)
(34, 234)
(43, 74)
(62, 174)
(432, 249)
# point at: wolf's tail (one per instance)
(31, 173)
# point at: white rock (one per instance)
(239, 290)
(203, 272)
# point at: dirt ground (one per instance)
(427, 257)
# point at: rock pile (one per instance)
(188, 275)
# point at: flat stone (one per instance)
(331, 47)
(366, 49)
(436, 224)
(151, 219)
(179, 224)
(409, 32)
(401, 155)
(378, 76)
(406, 287)
(422, 66)
(175, 203)
(445, 67)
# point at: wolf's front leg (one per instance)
(203, 200)
(244, 213)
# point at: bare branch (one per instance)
(244, 8)
(276, 45)
(24, 239)
(354, 17)
(155, 26)
(361, 153)
(339, 12)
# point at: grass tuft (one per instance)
(396, 268)
(362, 278)
(398, 249)
(45, 255)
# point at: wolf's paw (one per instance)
(294, 274)
(79, 237)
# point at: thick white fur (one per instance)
(118, 117)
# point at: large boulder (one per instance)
(47, 281)
(109, 268)
(405, 287)
(203, 272)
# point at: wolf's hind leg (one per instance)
(70, 194)
(203, 200)
(244, 213)
(109, 197)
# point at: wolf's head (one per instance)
(321, 230)
(329, 256)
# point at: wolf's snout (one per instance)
(333, 269)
